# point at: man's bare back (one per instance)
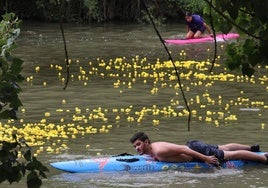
(165, 151)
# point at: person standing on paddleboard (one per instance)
(196, 26)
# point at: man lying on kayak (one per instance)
(195, 151)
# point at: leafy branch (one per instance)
(248, 18)
(16, 159)
(230, 20)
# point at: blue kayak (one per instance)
(140, 164)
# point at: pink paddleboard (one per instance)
(219, 38)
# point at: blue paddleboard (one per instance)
(140, 164)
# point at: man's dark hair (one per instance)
(188, 14)
(139, 135)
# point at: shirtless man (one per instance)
(195, 151)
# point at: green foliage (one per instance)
(146, 19)
(13, 168)
(193, 6)
(93, 9)
(10, 68)
(250, 19)
(98, 10)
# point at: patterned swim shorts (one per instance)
(206, 149)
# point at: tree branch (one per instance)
(65, 46)
(214, 36)
(231, 21)
(171, 59)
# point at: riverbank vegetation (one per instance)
(85, 11)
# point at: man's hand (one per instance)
(212, 160)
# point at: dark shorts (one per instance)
(201, 29)
(206, 149)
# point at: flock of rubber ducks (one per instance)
(125, 74)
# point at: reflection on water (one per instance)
(162, 179)
(105, 104)
(217, 178)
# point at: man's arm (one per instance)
(197, 155)
(208, 29)
(187, 28)
(174, 152)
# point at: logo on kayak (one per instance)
(169, 167)
(139, 168)
(165, 167)
(101, 161)
(230, 164)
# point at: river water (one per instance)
(121, 83)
